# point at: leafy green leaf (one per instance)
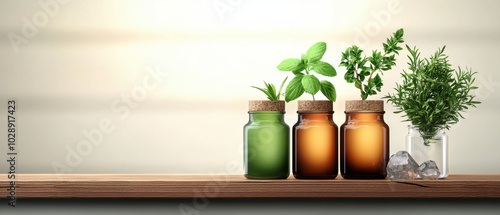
(328, 90)
(289, 64)
(271, 90)
(364, 95)
(304, 59)
(269, 96)
(316, 52)
(281, 87)
(357, 84)
(349, 77)
(294, 88)
(324, 68)
(377, 79)
(311, 84)
(364, 72)
(299, 69)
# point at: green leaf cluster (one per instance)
(270, 90)
(304, 80)
(433, 93)
(360, 69)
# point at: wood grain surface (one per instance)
(236, 186)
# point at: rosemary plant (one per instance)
(433, 93)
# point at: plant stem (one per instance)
(371, 74)
(376, 68)
(313, 97)
(357, 78)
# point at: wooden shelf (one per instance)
(236, 186)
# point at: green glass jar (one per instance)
(266, 141)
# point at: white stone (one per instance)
(429, 171)
(402, 166)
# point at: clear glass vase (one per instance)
(429, 142)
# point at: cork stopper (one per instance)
(266, 105)
(318, 105)
(364, 105)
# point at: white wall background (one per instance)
(89, 54)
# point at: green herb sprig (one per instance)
(270, 90)
(308, 82)
(433, 93)
(358, 69)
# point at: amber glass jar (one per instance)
(364, 141)
(315, 141)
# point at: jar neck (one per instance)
(315, 115)
(427, 129)
(266, 116)
(365, 115)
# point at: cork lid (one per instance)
(317, 105)
(266, 105)
(364, 105)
